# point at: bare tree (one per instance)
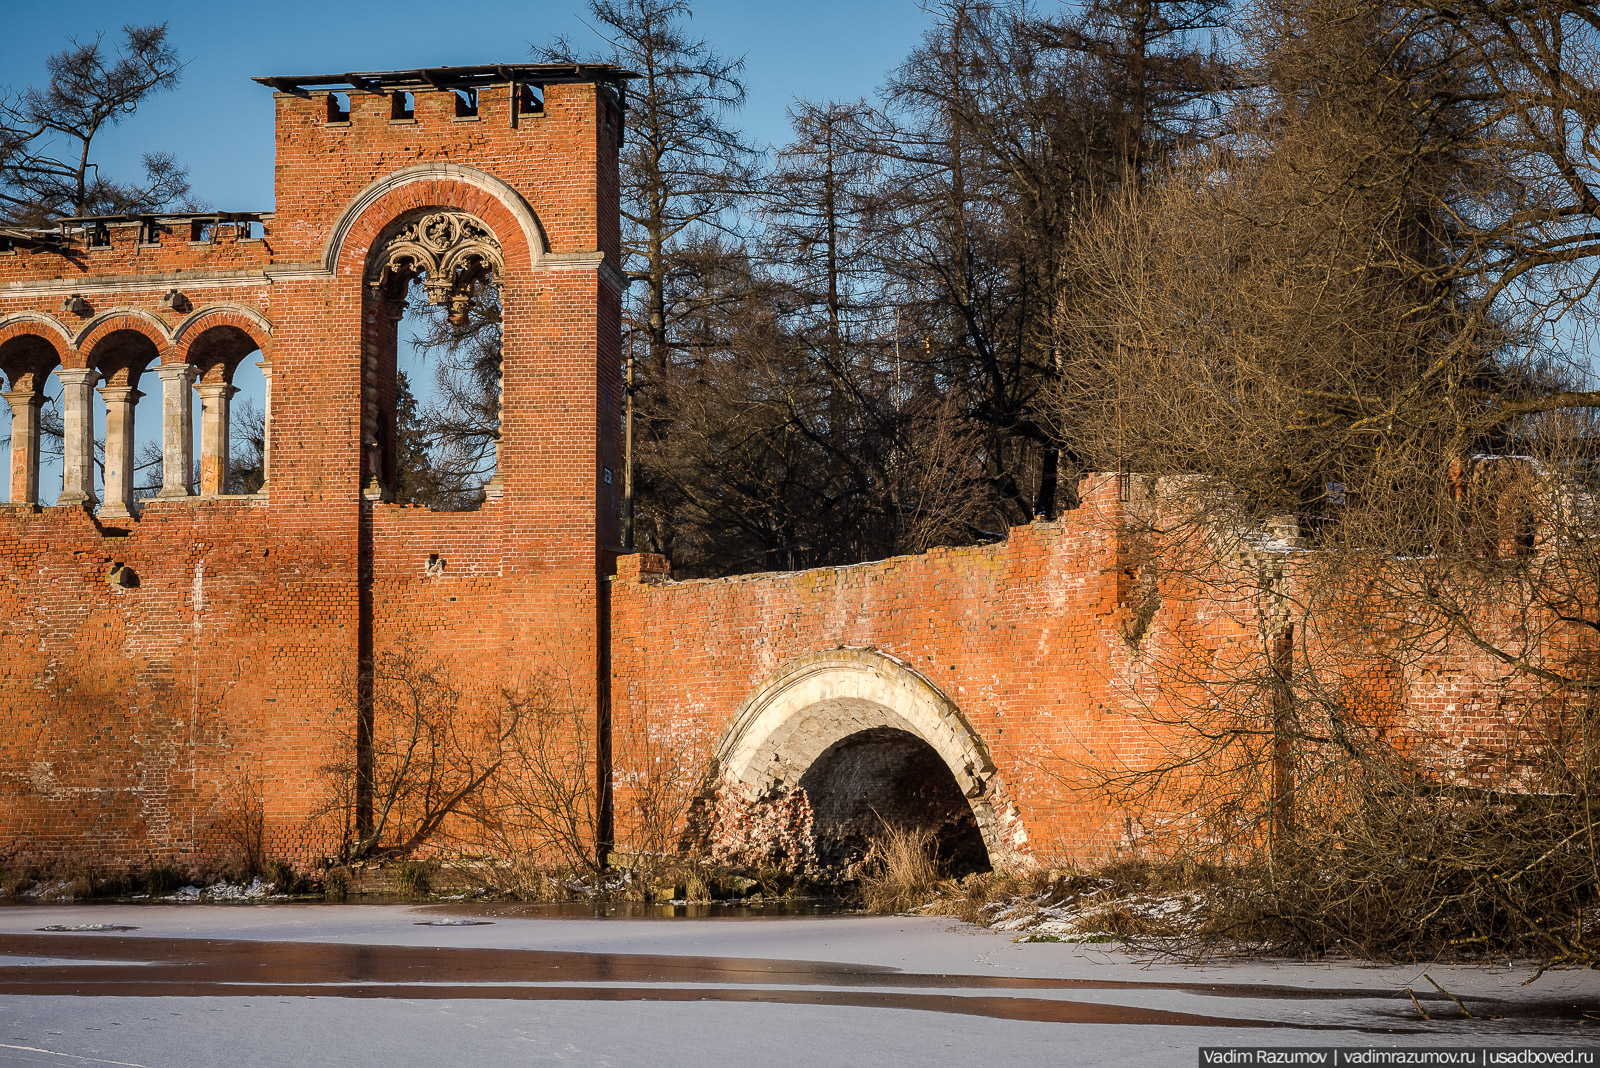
(1342, 438)
(998, 135)
(47, 135)
(868, 371)
(684, 168)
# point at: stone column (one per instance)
(77, 421)
(25, 405)
(266, 423)
(177, 432)
(120, 401)
(214, 397)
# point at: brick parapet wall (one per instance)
(173, 260)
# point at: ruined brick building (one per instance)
(159, 655)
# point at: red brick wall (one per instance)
(1034, 640)
(134, 715)
(1023, 636)
(132, 718)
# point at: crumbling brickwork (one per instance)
(167, 663)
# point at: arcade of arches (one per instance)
(200, 358)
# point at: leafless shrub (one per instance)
(542, 813)
(900, 872)
(1353, 448)
(500, 782)
(241, 823)
(413, 750)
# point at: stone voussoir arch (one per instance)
(239, 316)
(433, 185)
(823, 698)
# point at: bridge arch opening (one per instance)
(885, 777)
(871, 743)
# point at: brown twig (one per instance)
(1447, 994)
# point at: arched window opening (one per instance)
(431, 424)
(25, 366)
(119, 360)
(227, 435)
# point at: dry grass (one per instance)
(412, 878)
(335, 884)
(1121, 902)
(900, 872)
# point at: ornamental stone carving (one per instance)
(452, 252)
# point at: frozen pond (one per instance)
(395, 985)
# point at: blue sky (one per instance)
(219, 123)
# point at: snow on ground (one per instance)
(243, 1032)
(256, 890)
(1329, 1003)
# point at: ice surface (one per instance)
(1330, 1003)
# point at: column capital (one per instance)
(215, 389)
(77, 376)
(21, 398)
(176, 372)
(119, 394)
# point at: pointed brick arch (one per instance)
(824, 698)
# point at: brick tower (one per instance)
(172, 661)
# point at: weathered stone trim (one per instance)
(149, 318)
(154, 282)
(513, 202)
(822, 698)
(23, 317)
(610, 273)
